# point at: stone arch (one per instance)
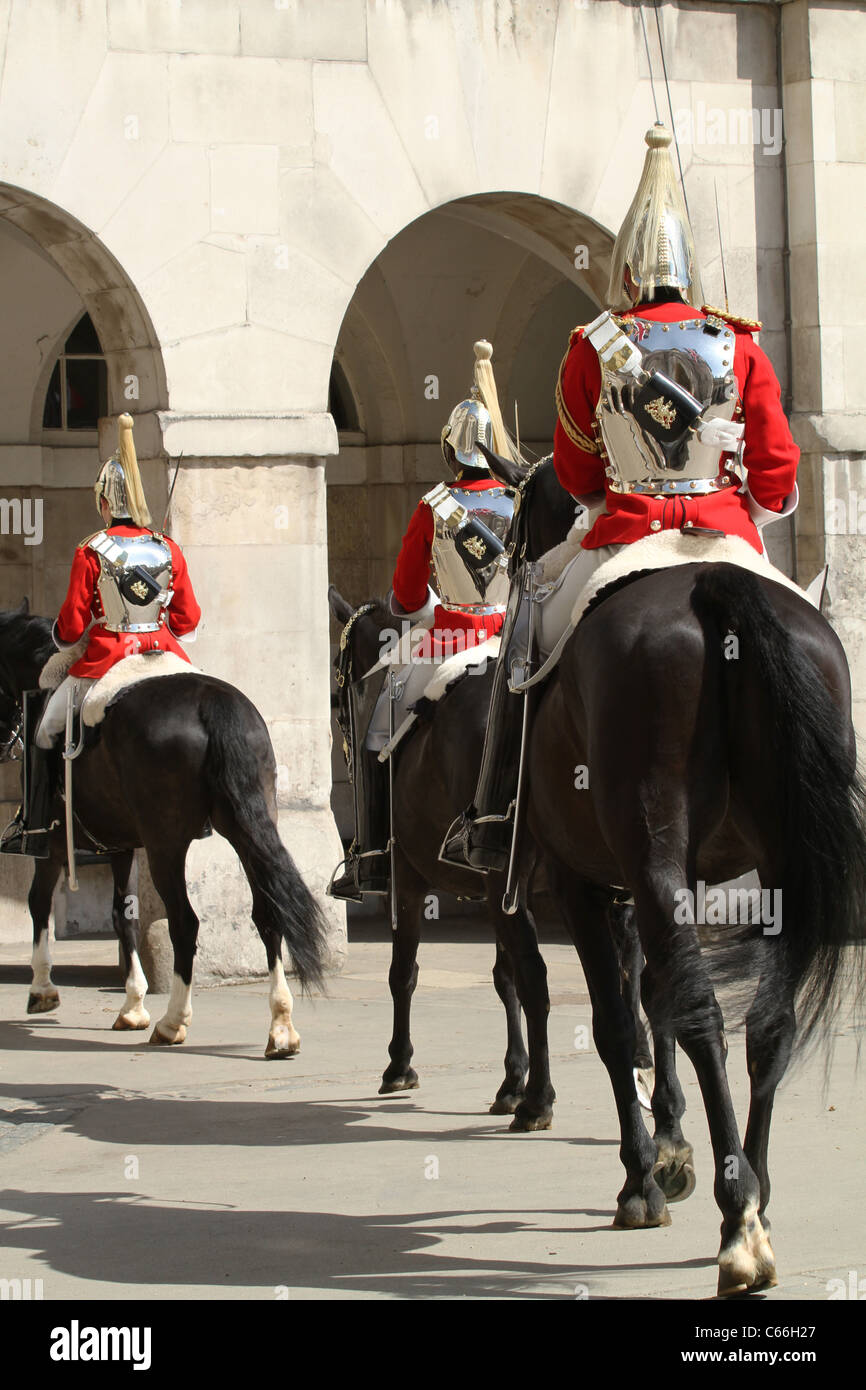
(496, 265)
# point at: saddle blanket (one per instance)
(669, 548)
(421, 680)
(572, 578)
(130, 671)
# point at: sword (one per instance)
(392, 845)
(511, 896)
(171, 493)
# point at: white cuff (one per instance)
(762, 516)
(422, 614)
(189, 637)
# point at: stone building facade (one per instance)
(282, 223)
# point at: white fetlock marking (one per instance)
(282, 1032)
(136, 985)
(179, 1012)
(41, 965)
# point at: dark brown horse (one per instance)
(171, 756)
(706, 759)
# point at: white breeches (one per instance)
(413, 680)
(557, 608)
(53, 721)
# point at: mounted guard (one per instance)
(459, 527)
(659, 404)
(129, 593)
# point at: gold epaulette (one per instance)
(572, 429)
(88, 539)
(753, 325)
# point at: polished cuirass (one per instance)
(134, 582)
(461, 588)
(648, 446)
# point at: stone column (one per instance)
(249, 511)
(824, 96)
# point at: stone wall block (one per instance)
(245, 189)
(366, 152)
(198, 291)
(320, 217)
(246, 369)
(286, 29)
(194, 26)
(240, 101)
(38, 118)
(140, 234)
(122, 130)
(294, 294)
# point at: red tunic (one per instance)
(412, 578)
(82, 603)
(770, 453)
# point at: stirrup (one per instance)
(17, 839)
(490, 839)
(454, 849)
(349, 887)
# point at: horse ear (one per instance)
(341, 610)
(24, 609)
(511, 474)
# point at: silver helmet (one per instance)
(110, 486)
(468, 422)
(655, 248)
(119, 482)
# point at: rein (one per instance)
(520, 526)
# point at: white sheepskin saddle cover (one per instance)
(448, 671)
(130, 671)
(669, 548)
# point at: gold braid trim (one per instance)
(573, 430)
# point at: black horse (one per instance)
(434, 776)
(435, 773)
(702, 767)
(171, 756)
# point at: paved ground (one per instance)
(206, 1172)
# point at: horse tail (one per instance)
(818, 950)
(239, 760)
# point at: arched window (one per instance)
(78, 390)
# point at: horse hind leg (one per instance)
(43, 997)
(746, 1261)
(283, 1038)
(770, 1029)
(167, 872)
(124, 917)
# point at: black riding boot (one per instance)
(28, 833)
(368, 862)
(481, 837)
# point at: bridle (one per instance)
(519, 536)
(12, 747)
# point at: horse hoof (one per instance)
(505, 1105)
(524, 1123)
(43, 1003)
(637, 1214)
(674, 1172)
(158, 1039)
(136, 1019)
(276, 1050)
(391, 1084)
(746, 1262)
(644, 1081)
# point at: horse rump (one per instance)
(810, 761)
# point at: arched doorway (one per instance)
(78, 348)
(514, 268)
